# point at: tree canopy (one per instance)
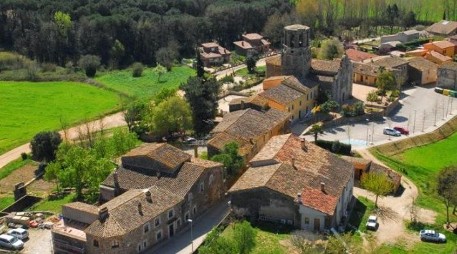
(230, 157)
(171, 115)
(386, 82)
(44, 145)
(447, 188)
(378, 183)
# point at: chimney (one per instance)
(140, 208)
(158, 174)
(103, 214)
(148, 196)
(303, 145)
(195, 151)
(116, 184)
(299, 198)
(293, 163)
(323, 187)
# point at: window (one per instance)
(190, 196)
(157, 222)
(195, 209)
(306, 220)
(202, 186)
(171, 214)
(146, 227)
(187, 215)
(211, 179)
(159, 235)
(145, 244)
(115, 244)
(95, 243)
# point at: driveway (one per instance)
(420, 110)
(40, 242)
(395, 210)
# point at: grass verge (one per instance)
(5, 202)
(54, 206)
(12, 166)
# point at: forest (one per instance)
(121, 32)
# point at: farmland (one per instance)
(31, 107)
(148, 84)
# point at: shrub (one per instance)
(334, 146)
(24, 156)
(89, 63)
(372, 96)
(32, 71)
(137, 70)
(48, 67)
(227, 79)
(395, 93)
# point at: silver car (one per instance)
(372, 222)
(11, 242)
(391, 132)
(432, 236)
(19, 233)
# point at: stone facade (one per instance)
(447, 76)
(296, 55)
(403, 37)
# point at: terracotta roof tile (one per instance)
(394, 176)
(274, 60)
(449, 65)
(282, 94)
(220, 139)
(300, 168)
(253, 36)
(325, 66)
(243, 44)
(422, 64)
(358, 56)
(293, 82)
(319, 200)
(439, 56)
(441, 44)
(388, 61)
(366, 69)
(444, 27)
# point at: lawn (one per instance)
(5, 202)
(31, 107)
(244, 72)
(148, 84)
(54, 206)
(12, 166)
(422, 165)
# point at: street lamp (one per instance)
(368, 125)
(191, 235)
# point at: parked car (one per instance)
(19, 233)
(372, 222)
(11, 242)
(391, 132)
(189, 140)
(402, 130)
(432, 236)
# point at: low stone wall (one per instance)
(400, 146)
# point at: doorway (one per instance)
(171, 230)
(317, 224)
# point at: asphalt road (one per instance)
(420, 109)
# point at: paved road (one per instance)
(107, 122)
(182, 244)
(420, 111)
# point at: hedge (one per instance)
(335, 146)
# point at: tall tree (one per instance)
(44, 145)
(386, 82)
(330, 49)
(171, 115)
(447, 188)
(316, 129)
(378, 183)
(230, 157)
(202, 97)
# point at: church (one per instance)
(333, 77)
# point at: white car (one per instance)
(391, 132)
(372, 222)
(11, 242)
(19, 233)
(432, 236)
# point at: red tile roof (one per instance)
(358, 56)
(319, 200)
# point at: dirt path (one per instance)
(107, 122)
(395, 210)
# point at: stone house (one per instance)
(443, 28)
(149, 199)
(289, 95)
(249, 128)
(211, 54)
(445, 48)
(363, 166)
(422, 71)
(367, 72)
(447, 76)
(437, 58)
(403, 37)
(252, 44)
(333, 76)
(296, 183)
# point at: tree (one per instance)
(117, 52)
(166, 56)
(63, 22)
(44, 145)
(378, 183)
(230, 158)
(329, 106)
(385, 82)
(342, 243)
(171, 115)
(244, 237)
(372, 96)
(134, 116)
(202, 97)
(159, 70)
(199, 66)
(89, 63)
(447, 188)
(316, 129)
(164, 94)
(330, 49)
(250, 64)
(306, 242)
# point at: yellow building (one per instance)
(288, 94)
(445, 48)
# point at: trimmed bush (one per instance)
(335, 146)
(137, 70)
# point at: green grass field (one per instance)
(148, 84)
(5, 202)
(28, 108)
(54, 206)
(422, 165)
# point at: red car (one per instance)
(402, 130)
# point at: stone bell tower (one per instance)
(296, 55)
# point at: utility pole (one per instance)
(414, 124)
(423, 121)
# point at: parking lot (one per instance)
(38, 242)
(420, 109)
